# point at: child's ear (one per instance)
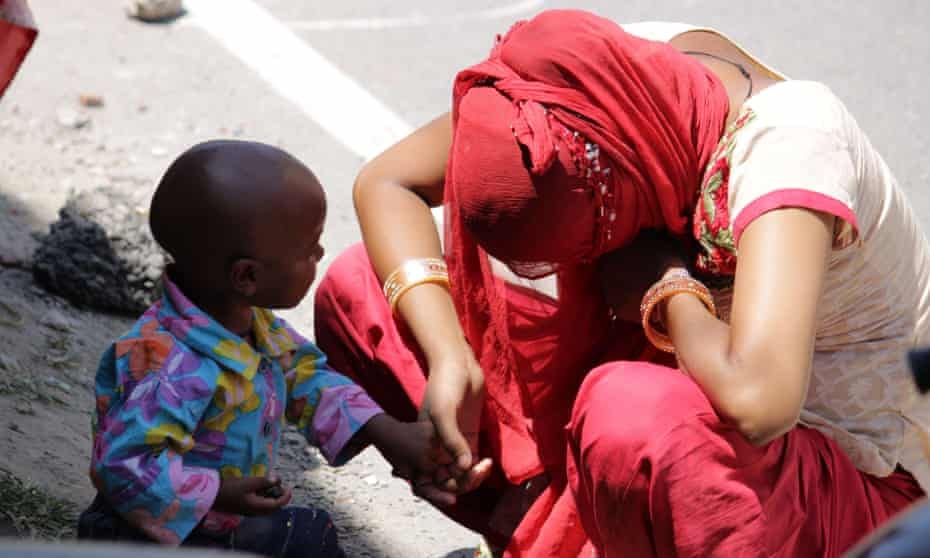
(244, 276)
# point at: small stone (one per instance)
(15, 427)
(154, 10)
(293, 438)
(142, 108)
(56, 383)
(57, 321)
(90, 100)
(9, 363)
(24, 407)
(70, 118)
(371, 480)
(159, 152)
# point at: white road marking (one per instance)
(416, 20)
(301, 75)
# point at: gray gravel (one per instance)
(100, 254)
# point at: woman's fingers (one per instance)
(476, 475)
(424, 488)
(451, 438)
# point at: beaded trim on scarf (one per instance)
(597, 172)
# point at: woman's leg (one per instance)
(354, 327)
(656, 473)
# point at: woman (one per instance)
(771, 415)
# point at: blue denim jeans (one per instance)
(293, 532)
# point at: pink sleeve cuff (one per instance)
(793, 197)
(342, 412)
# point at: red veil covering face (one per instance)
(17, 33)
(569, 139)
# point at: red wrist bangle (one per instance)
(663, 290)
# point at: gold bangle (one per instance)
(412, 273)
(662, 290)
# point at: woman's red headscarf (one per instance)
(17, 33)
(569, 139)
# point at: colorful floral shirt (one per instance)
(182, 402)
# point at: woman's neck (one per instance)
(741, 77)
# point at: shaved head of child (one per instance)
(242, 223)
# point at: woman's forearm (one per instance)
(393, 195)
(702, 344)
(756, 370)
(397, 226)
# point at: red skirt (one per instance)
(647, 468)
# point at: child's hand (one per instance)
(408, 446)
(413, 450)
(251, 496)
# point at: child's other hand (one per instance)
(251, 496)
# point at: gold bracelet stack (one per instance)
(662, 290)
(412, 273)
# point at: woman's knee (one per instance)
(624, 408)
(345, 278)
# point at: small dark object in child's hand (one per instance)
(273, 492)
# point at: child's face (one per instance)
(286, 279)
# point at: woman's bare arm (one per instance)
(756, 370)
(393, 195)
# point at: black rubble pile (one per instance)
(100, 254)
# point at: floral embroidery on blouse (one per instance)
(712, 227)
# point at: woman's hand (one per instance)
(412, 449)
(414, 452)
(453, 403)
(627, 273)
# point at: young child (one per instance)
(191, 402)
